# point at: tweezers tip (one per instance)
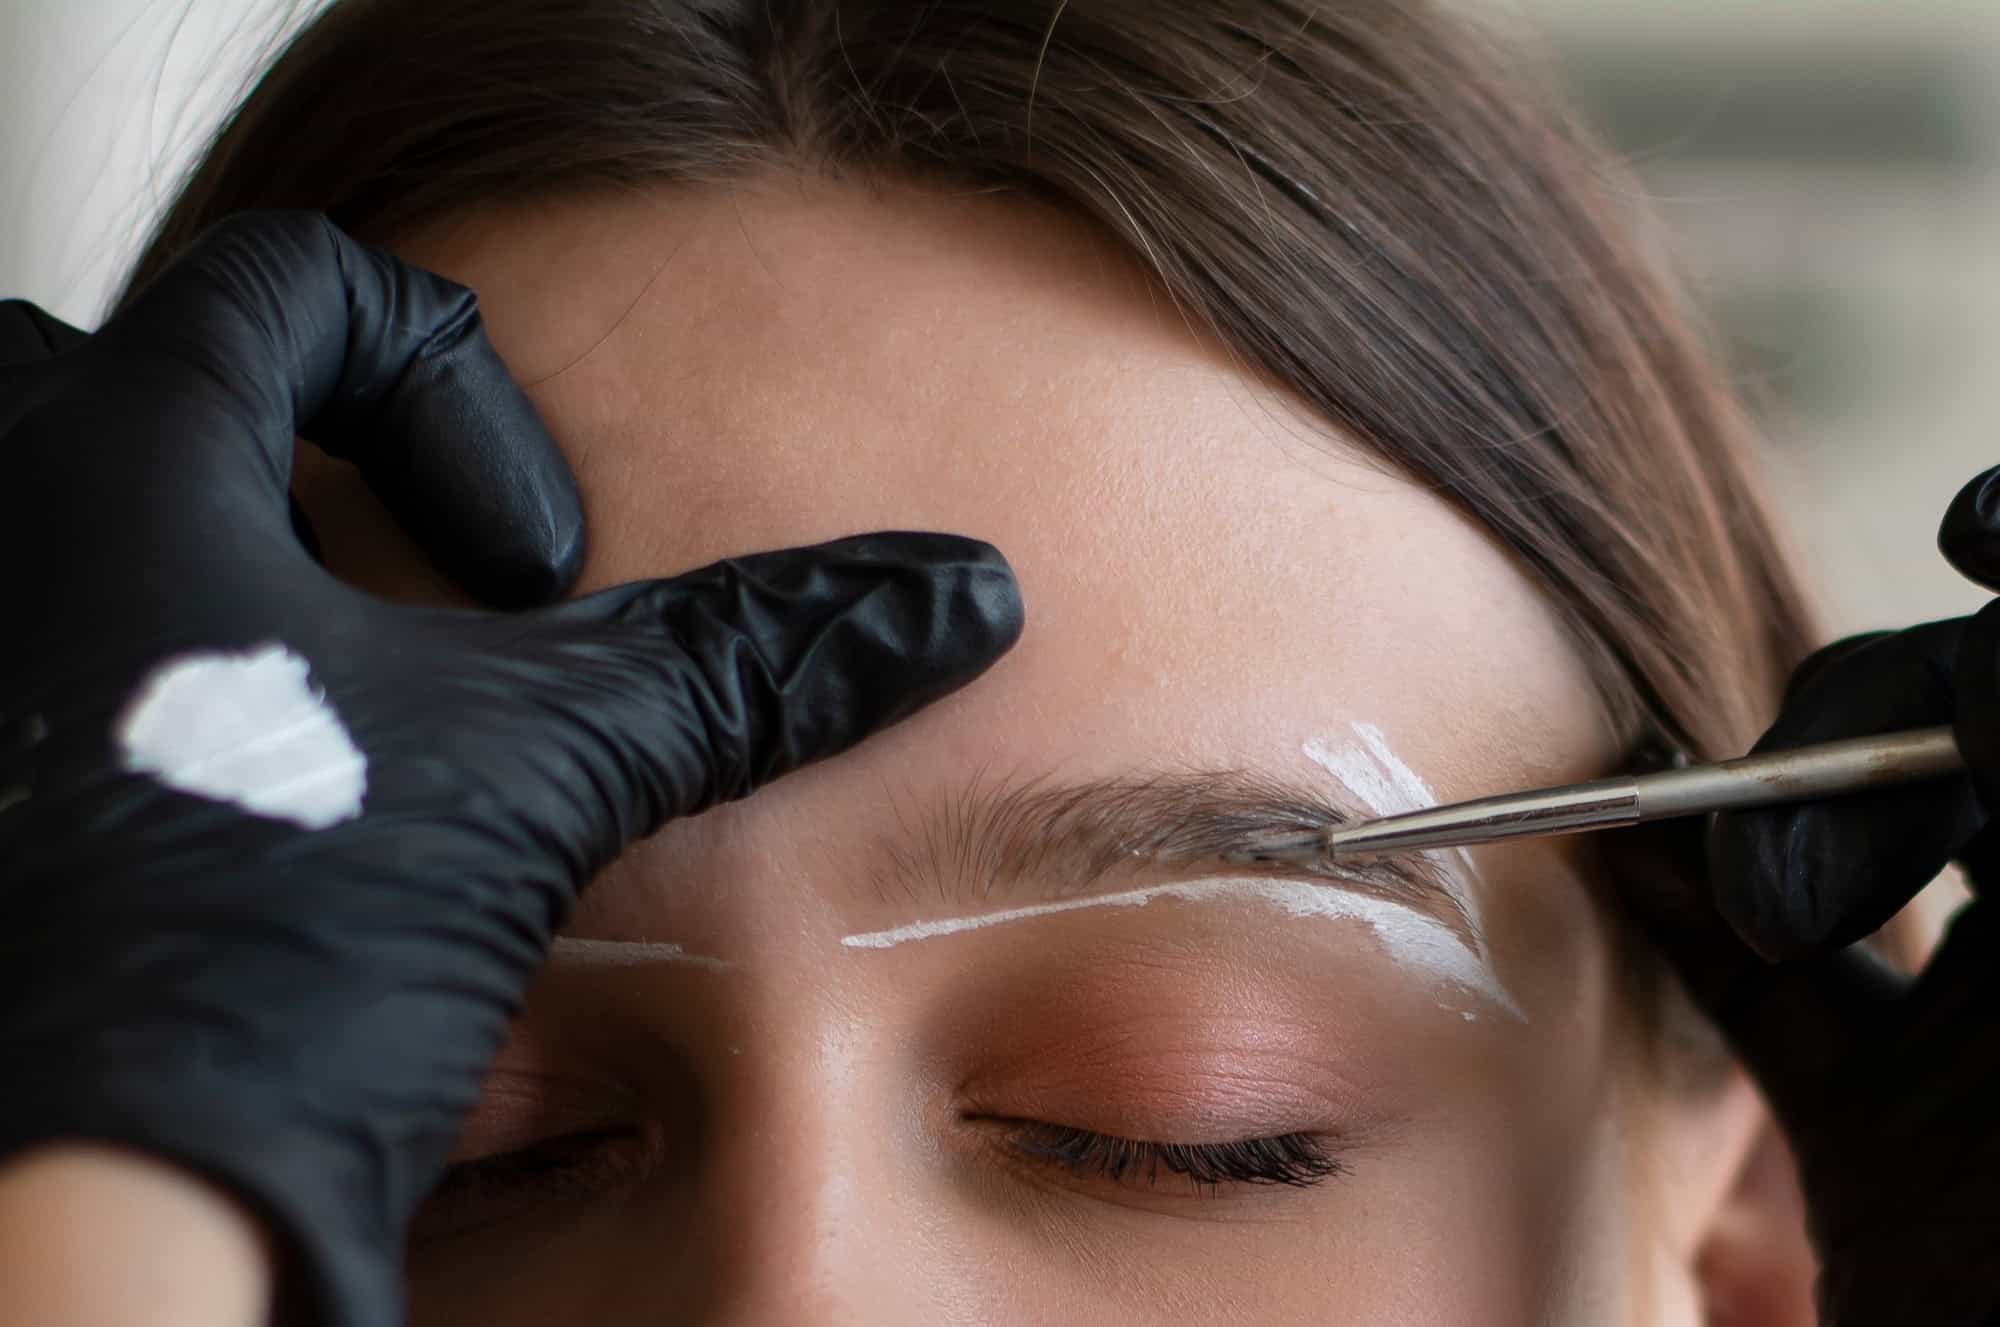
(1294, 847)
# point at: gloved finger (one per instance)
(1820, 875)
(28, 338)
(1897, 1251)
(29, 334)
(1814, 665)
(1793, 1025)
(1976, 719)
(1946, 1022)
(302, 330)
(303, 531)
(711, 684)
(1958, 989)
(1969, 535)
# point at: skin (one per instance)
(94, 1234)
(1212, 579)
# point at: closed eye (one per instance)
(1295, 1160)
(572, 1167)
(585, 1165)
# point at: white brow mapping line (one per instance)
(630, 953)
(1410, 938)
(1386, 786)
(1417, 796)
(1363, 775)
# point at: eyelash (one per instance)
(577, 1166)
(1293, 1160)
(580, 1165)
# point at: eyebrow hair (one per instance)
(1007, 841)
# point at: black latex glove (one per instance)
(304, 1014)
(1889, 1089)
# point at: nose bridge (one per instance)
(807, 1212)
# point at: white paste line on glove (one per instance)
(249, 729)
(630, 953)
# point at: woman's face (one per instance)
(827, 1055)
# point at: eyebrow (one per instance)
(1003, 842)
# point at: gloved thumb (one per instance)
(29, 334)
(1818, 875)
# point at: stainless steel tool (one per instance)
(1800, 774)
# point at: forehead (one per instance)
(1212, 576)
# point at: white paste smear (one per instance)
(1409, 937)
(1378, 777)
(630, 953)
(1381, 781)
(1373, 785)
(248, 729)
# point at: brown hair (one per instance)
(1359, 199)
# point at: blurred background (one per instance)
(1827, 172)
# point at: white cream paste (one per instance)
(249, 729)
(1408, 937)
(1385, 785)
(1382, 782)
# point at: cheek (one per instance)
(1593, 1273)
(1493, 1191)
(1522, 1205)
(1552, 1196)
(1471, 1225)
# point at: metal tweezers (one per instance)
(1796, 775)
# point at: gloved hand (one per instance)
(280, 858)
(1888, 1088)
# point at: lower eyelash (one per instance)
(1295, 1160)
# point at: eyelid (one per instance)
(578, 1167)
(1425, 882)
(1294, 1160)
(519, 1108)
